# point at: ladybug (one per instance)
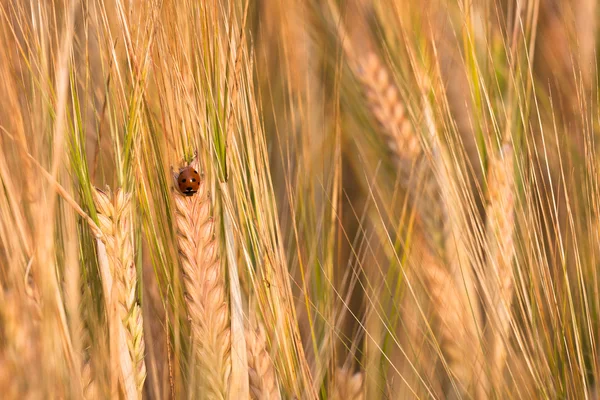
(188, 181)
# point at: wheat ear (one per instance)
(114, 216)
(261, 372)
(348, 385)
(456, 328)
(499, 236)
(413, 168)
(388, 109)
(384, 102)
(204, 282)
(456, 335)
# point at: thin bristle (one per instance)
(205, 295)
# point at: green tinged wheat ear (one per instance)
(205, 292)
(115, 224)
(499, 236)
(348, 385)
(261, 372)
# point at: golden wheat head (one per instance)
(115, 223)
(204, 282)
(261, 372)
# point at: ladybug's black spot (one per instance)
(182, 180)
(195, 171)
(193, 179)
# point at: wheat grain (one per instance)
(204, 282)
(114, 215)
(261, 372)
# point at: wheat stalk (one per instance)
(499, 236)
(114, 215)
(204, 282)
(261, 372)
(348, 385)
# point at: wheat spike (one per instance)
(413, 168)
(387, 108)
(204, 282)
(114, 215)
(261, 372)
(348, 385)
(455, 332)
(499, 236)
(456, 329)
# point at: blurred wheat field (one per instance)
(391, 199)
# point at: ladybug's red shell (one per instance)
(188, 181)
